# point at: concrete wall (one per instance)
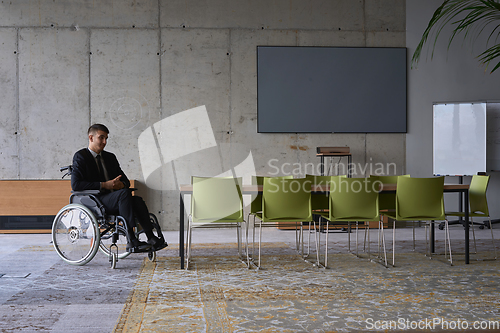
(453, 75)
(66, 64)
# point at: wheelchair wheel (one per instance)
(107, 240)
(75, 234)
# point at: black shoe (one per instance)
(157, 243)
(136, 246)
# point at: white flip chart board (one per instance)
(459, 138)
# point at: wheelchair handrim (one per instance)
(71, 241)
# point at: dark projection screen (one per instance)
(331, 89)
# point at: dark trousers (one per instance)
(130, 207)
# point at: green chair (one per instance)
(215, 203)
(320, 204)
(420, 199)
(284, 200)
(256, 204)
(387, 201)
(478, 205)
(353, 200)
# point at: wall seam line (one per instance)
(18, 119)
(160, 104)
(230, 55)
(89, 50)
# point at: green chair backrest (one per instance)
(319, 201)
(256, 204)
(420, 198)
(216, 199)
(387, 201)
(353, 199)
(477, 194)
(285, 199)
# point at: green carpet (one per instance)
(219, 294)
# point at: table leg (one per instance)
(181, 230)
(349, 162)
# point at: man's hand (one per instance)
(113, 184)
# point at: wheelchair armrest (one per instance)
(89, 199)
(86, 192)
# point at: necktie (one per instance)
(102, 178)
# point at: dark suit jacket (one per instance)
(85, 175)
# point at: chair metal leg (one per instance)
(349, 236)
(381, 230)
(368, 227)
(446, 239)
(364, 242)
(246, 245)
(188, 245)
(393, 242)
(493, 239)
(379, 241)
(253, 243)
(309, 237)
(449, 240)
(427, 245)
(309, 240)
(356, 238)
(297, 239)
(302, 238)
(238, 237)
(326, 244)
(473, 235)
(413, 235)
(260, 241)
(317, 240)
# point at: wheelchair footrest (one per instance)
(138, 249)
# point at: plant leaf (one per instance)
(469, 18)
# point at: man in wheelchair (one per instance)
(96, 169)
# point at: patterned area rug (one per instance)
(219, 294)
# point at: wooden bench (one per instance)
(27, 206)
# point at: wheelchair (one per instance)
(83, 227)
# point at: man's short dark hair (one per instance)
(97, 127)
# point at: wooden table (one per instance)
(463, 189)
(345, 154)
